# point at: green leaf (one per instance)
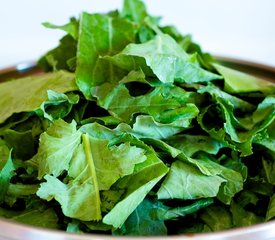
(233, 180)
(237, 133)
(238, 103)
(80, 197)
(93, 166)
(97, 226)
(122, 105)
(168, 61)
(190, 144)
(145, 135)
(266, 138)
(159, 144)
(58, 105)
(181, 211)
(247, 197)
(149, 216)
(217, 218)
(100, 35)
(73, 227)
(111, 163)
(241, 217)
(56, 148)
(71, 27)
(77, 199)
(20, 191)
(143, 221)
(269, 169)
(6, 170)
(187, 174)
(260, 186)
(146, 127)
(21, 143)
(146, 176)
(96, 130)
(271, 208)
(239, 82)
(59, 57)
(185, 181)
(45, 218)
(134, 10)
(31, 92)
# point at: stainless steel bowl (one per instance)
(15, 231)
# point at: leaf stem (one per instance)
(88, 153)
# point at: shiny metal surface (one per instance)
(14, 231)
(19, 70)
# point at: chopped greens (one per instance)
(134, 130)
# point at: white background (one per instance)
(236, 28)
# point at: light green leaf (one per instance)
(239, 82)
(160, 144)
(233, 180)
(31, 92)
(165, 58)
(111, 163)
(93, 166)
(77, 199)
(122, 105)
(71, 27)
(266, 138)
(56, 148)
(185, 181)
(134, 10)
(58, 105)
(146, 127)
(191, 144)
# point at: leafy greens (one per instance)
(134, 130)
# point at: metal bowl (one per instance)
(15, 231)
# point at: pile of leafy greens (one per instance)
(134, 130)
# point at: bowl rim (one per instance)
(22, 231)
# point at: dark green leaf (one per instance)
(144, 221)
(40, 218)
(241, 217)
(58, 58)
(217, 218)
(271, 208)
